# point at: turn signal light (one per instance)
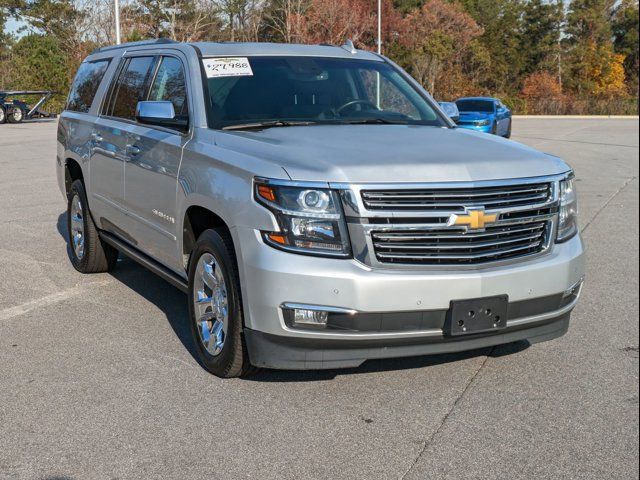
(278, 238)
(267, 193)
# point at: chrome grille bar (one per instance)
(497, 253)
(456, 199)
(402, 236)
(435, 245)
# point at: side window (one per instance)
(85, 85)
(130, 87)
(169, 86)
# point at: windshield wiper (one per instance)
(270, 124)
(376, 120)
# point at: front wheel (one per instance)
(3, 115)
(215, 306)
(508, 134)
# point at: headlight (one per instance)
(310, 219)
(482, 123)
(568, 215)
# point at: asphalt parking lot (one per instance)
(97, 379)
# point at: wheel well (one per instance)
(72, 172)
(197, 220)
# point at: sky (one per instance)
(12, 25)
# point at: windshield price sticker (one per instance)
(227, 67)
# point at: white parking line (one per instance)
(48, 300)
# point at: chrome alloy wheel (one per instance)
(77, 227)
(2, 115)
(210, 304)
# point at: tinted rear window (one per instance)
(85, 85)
(475, 105)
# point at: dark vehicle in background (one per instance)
(14, 110)
(485, 114)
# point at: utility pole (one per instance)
(117, 7)
(378, 99)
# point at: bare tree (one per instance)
(285, 18)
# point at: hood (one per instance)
(390, 153)
(475, 115)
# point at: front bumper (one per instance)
(272, 351)
(270, 278)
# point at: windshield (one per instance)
(281, 91)
(475, 105)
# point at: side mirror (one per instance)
(160, 114)
(451, 109)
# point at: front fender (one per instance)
(221, 181)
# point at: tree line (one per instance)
(539, 56)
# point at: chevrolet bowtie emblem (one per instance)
(475, 219)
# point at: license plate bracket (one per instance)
(477, 315)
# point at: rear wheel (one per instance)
(215, 306)
(89, 254)
(15, 115)
(3, 115)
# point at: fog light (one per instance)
(302, 315)
(310, 317)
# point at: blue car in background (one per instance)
(485, 114)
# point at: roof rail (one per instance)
(154, 41)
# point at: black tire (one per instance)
(3, 115)
(494, 128)
(232, 360)
(98, 256)
(508, 134)
(15, 115)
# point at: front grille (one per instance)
(412, 226)
(458, 247)
(457, 199)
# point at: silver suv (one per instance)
(315, 203)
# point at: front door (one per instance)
(151, 171)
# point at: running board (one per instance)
(146, 261)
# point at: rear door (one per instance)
(110, 139)
(77, 121)
(151, 171)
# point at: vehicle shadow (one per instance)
(173, 303)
